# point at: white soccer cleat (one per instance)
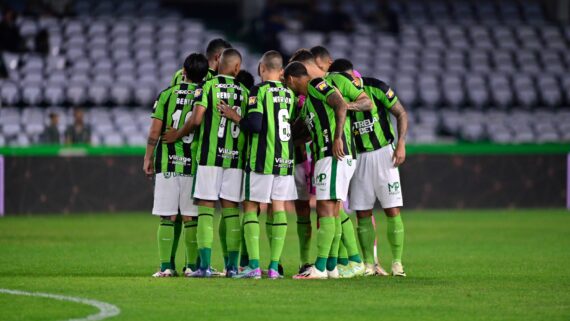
(168, 273)
(345, 272)
(188, 272)
(370, 270)
(357, 268)
(380, 270)
(312, 274)
(333, 274)
(398, 269)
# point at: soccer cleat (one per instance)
(333, 274)
(218, 274)
(163, 274)
(201, 273)
(380, 270)
(370, 270)
(357, 268)
(188, 272)
(280, 269)
(345, 272)
(312, 274)
(398, 269)
(304, 268)
(272, 274)
(249, 273)
(231, 272)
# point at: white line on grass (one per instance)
(106, 310)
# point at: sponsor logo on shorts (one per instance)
(394, 188)
(168, 175)
(321, 179)
(349, 161)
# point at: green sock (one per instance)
(205, 235)
(396, 237)
(366, 236)
(177, 232)
(348, 237)
(190, 230)
(278, 233)
(251, 235)
(342, 255)
(304, 232)
(222, 236)
(165, 237)
(269, 227)
(333, 253)
(233, 235)
(244, 257)
(325, 238)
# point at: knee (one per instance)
(392, 212)
(168, 218)
(364, 214)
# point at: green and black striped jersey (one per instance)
(271, 151)
(177, 78)
(221, 142)
(320, 119)
(349, 87)
(173, 107)
(373, 129)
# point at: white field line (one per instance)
(106, 310)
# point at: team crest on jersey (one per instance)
(198, 93)
(252, 100)
(322, 86)
(390, 93)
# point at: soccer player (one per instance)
(269, 168)
(377, 165)
(323, 58)
(351, 265)
(213, 52)
(324, 114)
(220, 159)
(171, 163)
(245, 78)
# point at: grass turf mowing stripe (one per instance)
(106, 310)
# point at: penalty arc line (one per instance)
(106, 310)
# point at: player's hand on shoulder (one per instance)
(228, 112)
(338, 148)
(170, 135)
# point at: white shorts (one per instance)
(375, 177)
(301, 180)
(173, 191)
(213, 183)
(264, 188)
(332, 177)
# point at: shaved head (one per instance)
(272, 60)
(230, 62)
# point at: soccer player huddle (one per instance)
(314, 126)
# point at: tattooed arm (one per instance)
(362, 103)
(402, 123)
(340, 107)
(153, 137)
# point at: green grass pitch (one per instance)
(461, 265)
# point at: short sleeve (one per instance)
(255, 100)
(321, 88)
(383, 92)
(349, 87)
(201, 95)
(158, 107)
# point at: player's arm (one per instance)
(172, 134)
(153, 137)
(340, 107)
(362, 103)
(402, 123)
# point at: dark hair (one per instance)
(341, 65)
(231, 52)
(245, 78)
(295, 69)
(302, 55)
(273, 60)
(215, 46)
(196, 67)
(320, 51)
